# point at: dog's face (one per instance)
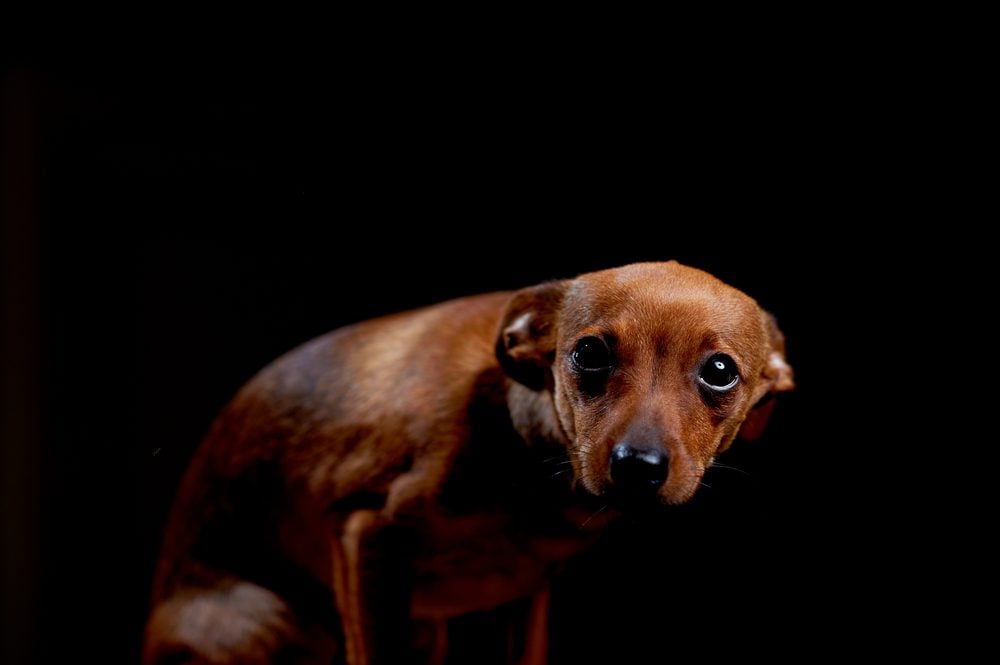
(653, 369)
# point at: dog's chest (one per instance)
(503, 519)
(477, 562)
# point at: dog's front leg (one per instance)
(536, 629)
(372, 589)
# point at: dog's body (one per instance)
(440, 462)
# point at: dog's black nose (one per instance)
(635, 469)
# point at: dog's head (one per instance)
(653, 369)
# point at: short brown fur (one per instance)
(400, 470)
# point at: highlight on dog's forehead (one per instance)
(667, 302)
(655, 284)
(668, 277)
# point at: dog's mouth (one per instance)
(596, 506)
(640, 497)
(633, 500)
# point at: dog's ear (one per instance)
(526, 343)
(776, 377)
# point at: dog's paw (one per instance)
(234, 622)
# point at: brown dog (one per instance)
(401, 470)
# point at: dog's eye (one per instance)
(719, 372)
(592, 354)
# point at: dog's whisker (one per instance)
(595, 514)
(717, 465)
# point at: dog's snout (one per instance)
(637, 469)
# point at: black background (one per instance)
(168, 231)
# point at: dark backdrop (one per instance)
(169, 231)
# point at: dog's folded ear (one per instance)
(526, 341)
(776, 377)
